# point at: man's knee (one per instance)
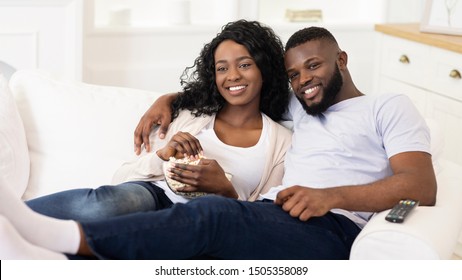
(215, 207)
(214, 202)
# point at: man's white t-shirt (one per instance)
(351, 143)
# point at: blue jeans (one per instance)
(101, 203)
(223, 228)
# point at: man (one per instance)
(351, 154)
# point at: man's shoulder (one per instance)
(389, 102)
(390, 97)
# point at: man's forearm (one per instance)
(416, 181)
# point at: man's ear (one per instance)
(342, 60)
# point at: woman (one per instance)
(232, 98)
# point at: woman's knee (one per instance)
(108, 201)
(91, 204)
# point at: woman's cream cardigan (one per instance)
(148, 166)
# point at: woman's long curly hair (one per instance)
(200, 93)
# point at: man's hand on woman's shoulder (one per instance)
(160, 113)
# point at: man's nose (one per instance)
(305, 78)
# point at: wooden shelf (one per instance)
(411, 31)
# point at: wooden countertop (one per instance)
(411, 31)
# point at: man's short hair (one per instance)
(308, 34)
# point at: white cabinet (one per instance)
(410, 63)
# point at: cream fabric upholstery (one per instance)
(77, 134)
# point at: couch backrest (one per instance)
(78, 134)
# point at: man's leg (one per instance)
(100, 203)
(221, 228)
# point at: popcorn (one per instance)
(175, 185)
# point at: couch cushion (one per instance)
(437, 143)
(78, 134)
(14, 156)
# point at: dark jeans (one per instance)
(103, 202)
(223, 228)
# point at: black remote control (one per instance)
(399, 212)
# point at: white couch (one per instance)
(57, 135)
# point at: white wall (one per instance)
(404, 11)
(145, 13)
(161, 12)
(149, 53)
(42, 34)
(144, 44)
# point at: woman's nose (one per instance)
(233, 74)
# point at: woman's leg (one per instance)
(14, 247)
(50, 233)
(221, 228)
(209, 226)
(100, 203)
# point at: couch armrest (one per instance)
(427, 233)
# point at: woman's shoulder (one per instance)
(188, 121)
(186, 115)
(279, 129)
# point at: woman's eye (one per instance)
(292, 76)
(221, 69)
(245, 65)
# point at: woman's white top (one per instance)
(246, 163)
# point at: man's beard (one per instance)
(330, 92)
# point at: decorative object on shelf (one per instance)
(442, 16)
(120, 16)
(303, 15)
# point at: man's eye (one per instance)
(313, 66)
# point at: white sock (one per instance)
(14, 247)
(50, 233)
